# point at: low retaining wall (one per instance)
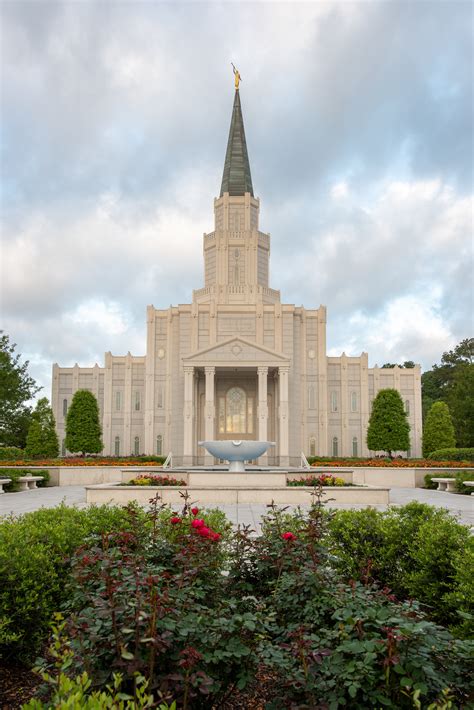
(383, 476)
(90, 475)
(282, 495)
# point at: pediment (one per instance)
(236, 351)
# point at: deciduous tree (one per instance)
(388, 428)
(83, 431)
(17, 387)
(438, 430)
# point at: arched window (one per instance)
(117, 446)
(312, 446)
(118, 401)
(355, 446)
(159, 445)
(407, 407)
(333, 401)
(335, 446)
(236, 410)
(136, 446)
(354, 402)
(63, 447)
(64, 407)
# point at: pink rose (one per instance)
(194, 511)
(175, 520)
(288, 536)
(203, 531)
(197, 523)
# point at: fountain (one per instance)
(236, 452)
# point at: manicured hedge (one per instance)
(415, 550)
(16, 473)
(11, 453)
(452, 455)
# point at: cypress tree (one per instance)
(388, 428)
(83, 431)
(42, 440)
(438, 432)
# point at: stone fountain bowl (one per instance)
(236, 451)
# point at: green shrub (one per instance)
(33, 568)
(429, 483)
(16, 473)
(11, 453)
(461, 476)
(397, 548)
(452, 455)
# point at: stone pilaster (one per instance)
(150, 364)
(263, 409)
(210, 412)
(127, 407)
(107, 416)
(283, 416)
(188, 416)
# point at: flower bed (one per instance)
(387, 463)
(325, 479)
(79, 461)
(148, 479)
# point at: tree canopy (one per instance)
(388, 428)
(438, 430)
(42, 440)
(17, 387)
(453, 382)
(83, 431)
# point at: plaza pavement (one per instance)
(460, 506)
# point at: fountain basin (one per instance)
(236, 452)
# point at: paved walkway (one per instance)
(16, 503)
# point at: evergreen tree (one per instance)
(83, 431)
(42, 440)
(388, 428)
(16, 388)
(460, 399)
(438, 431)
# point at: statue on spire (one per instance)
(237, 77)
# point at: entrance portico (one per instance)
(236, 390)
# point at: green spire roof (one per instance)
(236, 179)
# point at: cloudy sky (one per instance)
(114, 122)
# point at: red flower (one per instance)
(175, 520)
(197, 523)
(288, 536)
(215, 536)
(194, 511)
(204, 532)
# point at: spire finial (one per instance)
(237, 77)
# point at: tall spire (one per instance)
(236, 179)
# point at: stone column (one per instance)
(188, 415)
(209, 412)
(283, 417)
(262, 409)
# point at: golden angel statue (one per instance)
(237, 77)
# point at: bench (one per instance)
(445, 484)
(28, 483)
(3, 482)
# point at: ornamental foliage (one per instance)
(438, 431)
(388, 428)
(42, 440)
(83, 431)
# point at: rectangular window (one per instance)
(64, 407)
(137, 401)
(334, 404)
(354, 402)
(118, 401)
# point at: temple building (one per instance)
(236, 363)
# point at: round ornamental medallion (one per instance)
(161, 353)
(311, 354)
(236, 350)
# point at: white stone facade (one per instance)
(236, 363)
